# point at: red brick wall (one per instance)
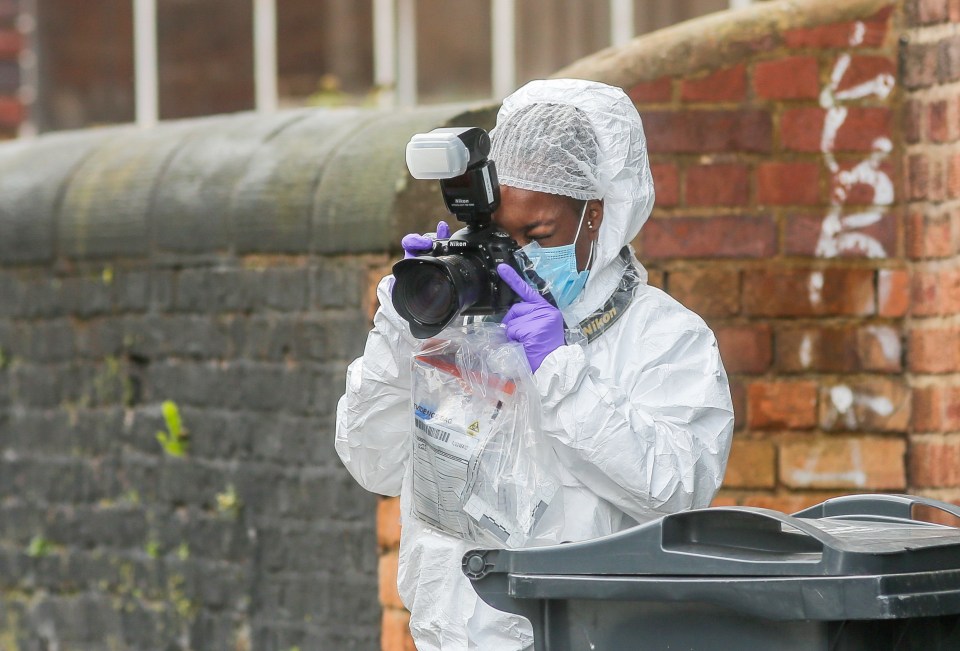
(11, 43)
(779, 220)
(931, 160)
(395, 631)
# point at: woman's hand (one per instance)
(532, 322)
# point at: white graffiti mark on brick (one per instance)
(868, 172)
(810, 476)
(842, 398)
(805, 351)
(889, 341)
(815, 287)
(841, 233)
(847, 403)
(859, 31)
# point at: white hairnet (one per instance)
(581, 139)
(548, 148)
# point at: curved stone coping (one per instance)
(715, 40)
(296, 182)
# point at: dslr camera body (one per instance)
(458, 276)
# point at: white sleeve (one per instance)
(655, 440)
(373, 416)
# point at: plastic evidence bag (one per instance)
(480, 471)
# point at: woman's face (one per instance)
(548, 219)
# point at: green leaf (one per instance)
(39, 546)
(171, 446)
(172, 416)
(174, 440)
(228, 502)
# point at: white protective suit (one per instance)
(640, 417)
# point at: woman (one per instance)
(637, 409)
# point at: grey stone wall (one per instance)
(222, 265)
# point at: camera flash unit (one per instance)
(447, 152)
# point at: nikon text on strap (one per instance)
(598, 322)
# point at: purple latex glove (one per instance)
(533, 322)
(415, 243)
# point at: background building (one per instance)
(81, 72)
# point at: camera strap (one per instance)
(600, 321)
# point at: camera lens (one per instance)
(428, 294)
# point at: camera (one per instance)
(458, 276)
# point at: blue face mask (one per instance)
(557, 265)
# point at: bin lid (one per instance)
(855, 535)
(855, 557)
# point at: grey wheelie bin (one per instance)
(852, 573)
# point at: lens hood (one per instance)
(429, 292)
